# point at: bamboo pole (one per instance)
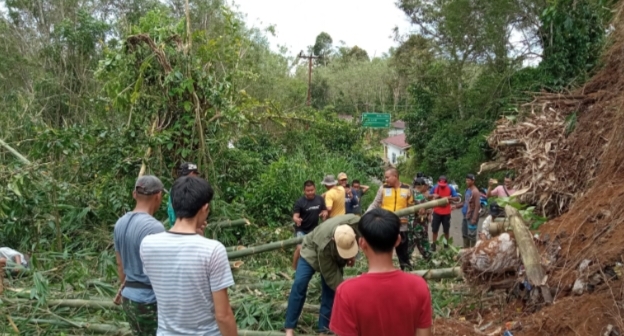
(17, 154)
(265, 248)
(235, 248)
(510, 143)
(229, 223)
(528, 252)
(427, 205)
(234, 265)
(101, 328)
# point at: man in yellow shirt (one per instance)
(334, 197)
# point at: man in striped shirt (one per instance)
(190, 274)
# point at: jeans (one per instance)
(469, 233)
(298, 293)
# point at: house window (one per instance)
(393, 157)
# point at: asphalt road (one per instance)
(456, 222)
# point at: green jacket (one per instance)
(170, 213)
(319, 249)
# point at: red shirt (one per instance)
(443, 191)
(382, 304)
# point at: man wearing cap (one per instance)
(442, 214)
(335, 197)
(327, 250)
(394, 196)
(351, 200)
(472, 205)
(138, 298)
(186, 169)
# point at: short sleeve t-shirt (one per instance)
(335, 199)
(500, 191)
(198, 267)
(466, 201)
(396, 304)
(309, 211)
(443, 191)
(129, 232)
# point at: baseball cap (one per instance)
(148, 185)
(342, 176)
(419, 181)
(344, 236)
(442, 180)
(329, 180)
(187, 168)
(471, 177)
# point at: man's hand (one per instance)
(323, 194)
(201, 228)
(351, 262)
(298, 221)
(491, 182)
(324, 214)
(435, 196)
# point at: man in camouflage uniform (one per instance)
(418, 235)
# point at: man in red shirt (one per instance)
(396, 303)
(442, 214)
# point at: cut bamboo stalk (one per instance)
(441, 273)
(510, 143)
(265, 248)
(229, 223)
(234, 265)
(101, 328)
(528, 252)
(294, 241)
(491, 167)
(17, 154)
(235, 248)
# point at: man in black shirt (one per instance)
(306, 214)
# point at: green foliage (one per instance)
(573, 35)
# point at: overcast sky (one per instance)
(365, 23)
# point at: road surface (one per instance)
(456, 222)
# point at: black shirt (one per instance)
(309, 211)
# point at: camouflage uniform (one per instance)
(142, 317)
(417, 234)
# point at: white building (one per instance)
(395, 147)
(397, 127)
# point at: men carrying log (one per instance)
(393, 196)
(190, 273)
(384, 301)
(327, 249)
(138, 298)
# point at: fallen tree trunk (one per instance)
(229, 223)
(531, 259)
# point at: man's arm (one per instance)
(423, 332)
(364, 189)
(329, 268)
(329, 201)
(223, 313)
(377, 201)
(297, 219)
(120, 270)
(476, 205)
(454, 195)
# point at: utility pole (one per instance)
(310, 58)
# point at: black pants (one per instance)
(402, 252)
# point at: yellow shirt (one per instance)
(335, 199)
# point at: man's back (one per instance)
(129, 231)
(395, 304)
(335, 199)
(185, 269)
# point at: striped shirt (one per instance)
(185, 269)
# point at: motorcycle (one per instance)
(483, 211)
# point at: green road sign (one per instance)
(376, 120)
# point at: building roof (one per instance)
(400, 124)
(397, 141)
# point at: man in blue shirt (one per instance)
(138, 298)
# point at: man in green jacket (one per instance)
(186, 169)
(327, 249)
